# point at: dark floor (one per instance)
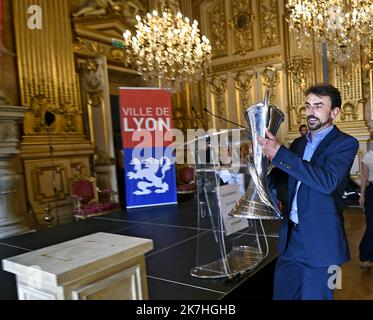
(176, 238)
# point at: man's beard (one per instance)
(318, 124)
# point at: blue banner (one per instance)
(150, 180)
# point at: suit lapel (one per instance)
(302, 147)
(298, 150)
(325, 142)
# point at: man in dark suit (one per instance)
(303, 130)
(312, 239)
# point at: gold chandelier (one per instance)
(346, 26)
(167, 47)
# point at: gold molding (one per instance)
(61, 189)
(243, 63)
(94, 39)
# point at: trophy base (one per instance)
(254, 210)
(240, 260)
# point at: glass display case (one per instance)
(226, 247)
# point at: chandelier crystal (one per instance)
(167, 47)
(345, 26)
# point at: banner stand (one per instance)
(149, 164)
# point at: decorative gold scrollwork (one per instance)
(218, 87)
(349, 111)
(39, 105)
(218, 30)
(301, 114)
(271, 81)
(196, 120)
(94, 82)
(243, 83)
(269, 23)
(298, 68)
(103, 159)
(90, 47)
(242, 21)
(242, 24)
(70, 112)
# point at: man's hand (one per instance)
(270, 145)
(362, 199)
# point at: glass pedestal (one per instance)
(227, 247)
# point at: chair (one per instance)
(86, 200)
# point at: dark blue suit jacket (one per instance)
(320, 209)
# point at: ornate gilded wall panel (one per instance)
(39, 174)
(230, 94)
(42, 193)
(46, 67)
(296, 108)
(306, 67)
(269, 34)
(242, 25)
(301, 73)
(244, 85)
(353, 117)
(218, 89)
(350, 85)
(9, 90)
(218, 30)
(49, 82)
(217, 100)
(187, 108)
(79, 168)
(235, 78)
(271, 81)
(371, 97)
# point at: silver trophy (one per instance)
(256, 203)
